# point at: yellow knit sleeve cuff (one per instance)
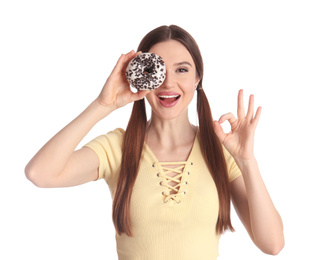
(108, 149)
(96, 148)
(233, 169)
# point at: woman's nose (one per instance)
(169, 81)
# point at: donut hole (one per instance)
(148, 70)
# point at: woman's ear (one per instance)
(196, 82)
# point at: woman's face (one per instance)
(172, 98)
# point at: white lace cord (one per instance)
(174, 192)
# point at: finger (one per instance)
(229, 117)
(250, 111)
(240, 105)
(257, 116)
(119, 65)
(138, 53)
(139, 95)
(219, 131)
(129, 56)
(123, 59)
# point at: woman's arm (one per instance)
(57, 164)
(256, 210)
(249, 194)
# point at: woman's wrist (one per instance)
(246, 165)
(102, 110)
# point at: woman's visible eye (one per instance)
(182, 70)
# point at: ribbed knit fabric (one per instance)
(172, 217)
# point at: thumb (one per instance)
(219, 131)
(139, 95)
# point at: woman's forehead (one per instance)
(172, 52)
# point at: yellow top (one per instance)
(169, 221)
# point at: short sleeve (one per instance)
(233, 169)
(108, 148)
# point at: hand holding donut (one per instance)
(240, 140)
(116, 91)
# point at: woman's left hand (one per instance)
(240, 140)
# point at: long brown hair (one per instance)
(135, 134)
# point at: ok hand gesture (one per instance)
(240, 140)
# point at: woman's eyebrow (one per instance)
(183, 63)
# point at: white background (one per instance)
(56, 55)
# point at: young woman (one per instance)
(171, 181)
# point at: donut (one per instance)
(146, 71)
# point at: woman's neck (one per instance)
(170, 133)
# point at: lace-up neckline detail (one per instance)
(173, 179)
(174, 175)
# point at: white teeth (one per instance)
(172, 96)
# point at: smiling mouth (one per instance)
(168, 100)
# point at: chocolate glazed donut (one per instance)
(146, 71)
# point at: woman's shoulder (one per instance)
(116, 133)
(113, 137)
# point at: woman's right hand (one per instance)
(57, 163)
(116, 91)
